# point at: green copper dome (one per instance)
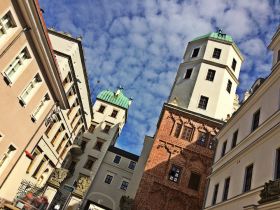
(216, 35)
(117, 98)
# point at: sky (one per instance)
(140, 44)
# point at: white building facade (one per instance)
(248, 154)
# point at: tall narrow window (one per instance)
(194, 181)
(224, 148)
(37, 151)
(229, 84)
(202, 139)
(278, 56)
(92, 127)
(195, 52)
(117, 159)
(15, 67)
(174, 173)
(114, 113)
(215, 194)
(30, 89)
(277, 164)
(234, 139)
(101, 109)
(178, 130)
(187, 133)
(217, 53)
(233, 64)
(106, 129)
(248, 178)
(83, 145)
(132, 165)
(188, 73)
(39, 110)
(256, 120)
(226, 188)
(212, 142)
(210, 75)
(108, 179)
(203, 102)
(39, 168)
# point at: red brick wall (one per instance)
(156, 191)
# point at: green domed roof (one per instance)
(216, 35)
(116, 98)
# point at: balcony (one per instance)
(270, 192)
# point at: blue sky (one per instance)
(140, 44)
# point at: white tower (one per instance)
(207, 79)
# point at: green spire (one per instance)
(116, 98)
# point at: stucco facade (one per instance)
(255, 147)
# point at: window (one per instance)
(30, 89)
(224, 148)
(108, 179)
(202, 139)
(7, 156)
(216, 189)
(92, 128)
(188, 73)
(234, 139)
(59, 131)
(6, 22)
(278, 56)
(124, 185)
(187, 133)
(39, 168)
(277, 164)
(256, 120)
(106, 129)
(101, 109)
(248, 178)
(132, 165)
(72, 167)
(210, 75)
(15, 67)
(37, 151)
(203, 102)
(114, 113)
(217, 53)
(212, 142)
(195, 52)
(229, 84)
(226, 188)
(39, 110)
(98, 145)
(233, 64)
(117, 159)
(174, 173)
(194, 181)
(83, 145)
(61, 144)
(89, 163)
(178, 130)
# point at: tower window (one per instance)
(195, 52)
(178, 130)
(224, 149)
(98, 145)
(114, 113)
(234, 139)
(106, 129)
(108, 179)
(216, 188)
(117, 159)
(226, 188)
(101, 109)
(203, 102)
(229, 84)
(217, 53)
(248, 178)
(188, 73)
(233, 64)
(256, 120)
(174, 173)
(194, 181)
(187, 133)
(132, 165)
(210, 75)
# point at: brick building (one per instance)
(202, 97)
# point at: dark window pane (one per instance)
(214, 200)
(187, 133)
(101, 109)
(178, 130)
(98, 145)
(202, 139)
(194, 181)
(226, 188)
(132, 165)
(217, 53)
(203, 102)
(233, 65)
(278, 56)
(210, 75)
(108, 179)
(234, 139)
(124, 185)
(248, 178)
(224, 149)
(174, 173)
(256, 119)
(117, 159)
(229, 84)
(188, 73)
(277, 175)
(195, 52)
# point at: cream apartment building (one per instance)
(246, 169)
(36, 135)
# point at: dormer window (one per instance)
(195, 52)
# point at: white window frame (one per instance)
(18, 60)
(9, 157)
(3, 22)
(41, 107)
(124, 180)
(36, 83)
